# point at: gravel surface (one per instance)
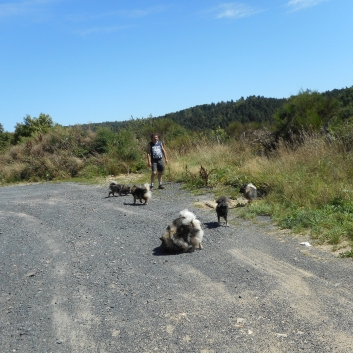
(81, 272)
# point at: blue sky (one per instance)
(83, 61)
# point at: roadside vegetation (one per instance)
(301, 162)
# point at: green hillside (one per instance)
(211, 116)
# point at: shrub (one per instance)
(308, 111)
(105, 140)
(30, 126)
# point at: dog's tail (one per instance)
(148, 194)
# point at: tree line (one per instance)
(285, 117)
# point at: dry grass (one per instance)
(63, 153)
(308, 184)
(212, 156)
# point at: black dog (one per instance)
(118, 189)
(222, 209)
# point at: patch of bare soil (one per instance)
(336, 250)
(128, 179)
(207, 204)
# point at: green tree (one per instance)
(105, 140)
(127, 146)
(31, 126)
(308, 111)
(4, 137)
(166, 128)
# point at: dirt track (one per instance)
(81, 272)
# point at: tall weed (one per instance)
(301, 182)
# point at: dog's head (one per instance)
(222, 199)
(243, 188)
(222, 202)
(126, 189)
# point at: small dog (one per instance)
(118, 189)
(184, 232)
(222, 209)
(125, 190)
(249, 191)
(114, 189)
(141, 193)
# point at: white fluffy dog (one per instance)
(185, 231)
(249, 191)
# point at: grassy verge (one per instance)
(306, 188)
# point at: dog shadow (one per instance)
(158, 251)
(107, 197)
(134, 204)
(211, 225)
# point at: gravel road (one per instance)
(81, 272)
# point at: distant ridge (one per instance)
(211, 116)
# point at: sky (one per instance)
(90, 61)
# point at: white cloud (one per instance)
(19, 8)
(303, 4)
(93, 30)
(14, 9)
(111, 15)
(97, 30)
(233, 11)
(137, 13)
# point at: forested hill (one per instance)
(252, 109)
(211, 116)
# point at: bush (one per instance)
(308, 111)
(31, 126)
(105, 140)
